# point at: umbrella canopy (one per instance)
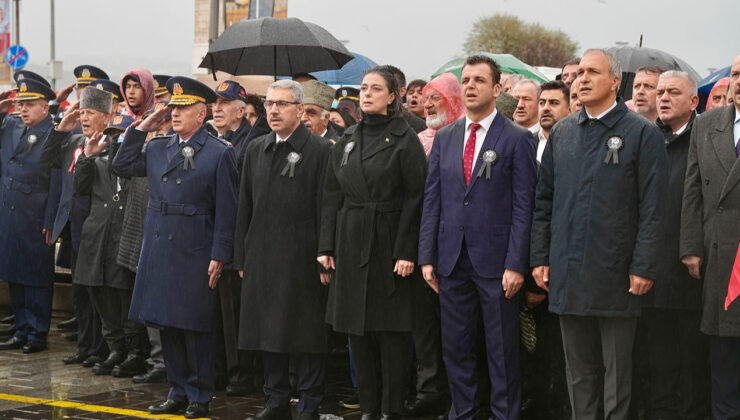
(350, 74)
(507, 62)
(633, 58)
(275, 46)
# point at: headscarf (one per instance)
(721, 84)
(448, 87)
(146, 80)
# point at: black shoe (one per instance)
(34, 347)
(369, 416)
(390, 417)
(444, 416)
(196, 410)
(91, 361)
(269, 413)
(237, 390)
(8, 331)
(12, 343)
(154, 376)
(422, 408)
(132, 366)
(8, 319)
(168, 407)
(72, 337)
(75, 359)
(68, 325)
(352, 402)
(106, 367)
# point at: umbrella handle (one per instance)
(213, 69)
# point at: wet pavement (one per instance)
(40, 386)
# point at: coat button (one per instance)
(12, 160)
(169, 236)
(12, 207)
(707, 182)
(720, 209)
(178, 181)
(465, 203)
(156, 235)
(462, 228)
(105, 204)
(20, 164)
(164, 178)
(120, 207)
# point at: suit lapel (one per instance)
(722, 140)
(196, 142)
(490, 141)
(352, 173)
(457, 143)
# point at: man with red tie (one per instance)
(475, 231)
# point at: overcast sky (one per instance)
(416, 35)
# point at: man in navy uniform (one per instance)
(26, 214)
(188, 236)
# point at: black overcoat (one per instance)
(101, 232)
(370, 219)
(675, 288)
(276, 241)
(596, 221)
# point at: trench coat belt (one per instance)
(14, 184)
(166, 208)
(369, 210)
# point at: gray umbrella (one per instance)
(278, 47)
(633, 58)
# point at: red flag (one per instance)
(733, 289)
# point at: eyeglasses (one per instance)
(280, 104)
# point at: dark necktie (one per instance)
(469, 153)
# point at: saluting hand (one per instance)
(64, 94)
(214, 271)
(541, 276)
(71, 118)
(94, 145)
(427, 271)
(6, 102)
(155, 120)
(512, 282)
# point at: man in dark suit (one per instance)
(188, 237)
(710, 232)
(474, 233)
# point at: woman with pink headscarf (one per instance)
(442, 98)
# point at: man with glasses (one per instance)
(283, 304)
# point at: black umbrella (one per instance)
(273, 46)
(633, 58)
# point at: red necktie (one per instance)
(469, 153)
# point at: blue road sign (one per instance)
(16, 56)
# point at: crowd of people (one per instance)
(510, 248)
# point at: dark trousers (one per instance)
(310, 370)
(381, 364)
(32, 310)
(232, 364)
(119, 332)
(156, 359)
(188, 358)
(464, 297)
(90, 340)
(431, 378)
(724, 356)
(598, 361)
(678, 356)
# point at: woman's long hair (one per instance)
(394, 108)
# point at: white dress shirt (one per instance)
(480, 134)
(541, 145)
(600, 116)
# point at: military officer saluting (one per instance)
(188, 236)
(26, 214)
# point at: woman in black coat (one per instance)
(371, 213)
